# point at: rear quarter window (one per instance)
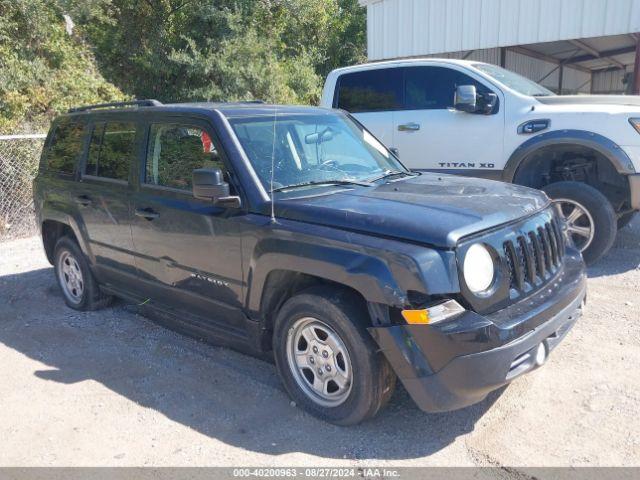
(370, 91)
(65, 147)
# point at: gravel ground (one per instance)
(113, 388)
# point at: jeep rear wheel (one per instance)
(79, 286)
(327, 360)
(591, 220)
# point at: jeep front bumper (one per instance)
(456, 363)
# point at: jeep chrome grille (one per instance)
(534, 256)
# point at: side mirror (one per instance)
(208, 184)
(466, 98)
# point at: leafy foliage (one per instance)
(225, 50)
(43, 70)
(172, 50)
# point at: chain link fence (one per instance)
(19, 158)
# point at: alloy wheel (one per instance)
(579, 222)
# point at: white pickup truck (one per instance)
(471, 118)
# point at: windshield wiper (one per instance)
(391, 173)
(323, 182)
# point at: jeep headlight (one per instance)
(478, 268)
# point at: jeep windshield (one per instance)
(313, 150)
(514, 81)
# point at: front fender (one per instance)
(381, 270)
(611, 150)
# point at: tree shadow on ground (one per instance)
(220, 393)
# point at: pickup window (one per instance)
(370, 91)
(433, 88)
(410, 88)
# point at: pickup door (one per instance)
(187, 250)
(431, 134)
(411, 109)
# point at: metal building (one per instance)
(569, 46)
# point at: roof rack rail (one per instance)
(132, 103)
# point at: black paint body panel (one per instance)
(391, 242)
(456, 363)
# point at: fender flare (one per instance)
(367, 274)
(611, 150)
(67, 219)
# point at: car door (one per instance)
(430, 134)
(103, 197)
(188, 251)
(373, 97)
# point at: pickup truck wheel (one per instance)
(78, 285)
(327, 360)
(590, 217)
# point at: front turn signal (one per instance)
(416, 317)
(434, 314)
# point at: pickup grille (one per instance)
(534, 256)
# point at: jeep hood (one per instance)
(431, 208)
(627, 100)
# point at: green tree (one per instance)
(177, 50)
(43, 70)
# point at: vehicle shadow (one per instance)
(623, 256)
(220, 393)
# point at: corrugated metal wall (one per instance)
(609, 82)
(405, 28)
(545, 73)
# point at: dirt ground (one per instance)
(114, 388)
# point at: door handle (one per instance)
(147, 213)
(83, 200)
(409, 127)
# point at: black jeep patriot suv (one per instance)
(357, 272)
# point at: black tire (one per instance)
(625, 219)
(599, 208)
(373, 380)
(90, 297)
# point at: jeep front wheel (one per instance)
(591, 220)
(327, 360)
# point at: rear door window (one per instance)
(433, 88)
(370, 90)
(65, 147)
(112, 150)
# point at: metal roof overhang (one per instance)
(586, 54)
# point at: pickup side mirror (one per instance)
(465, 98)
(209, 184)
(489, 101)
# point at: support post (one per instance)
(560, 72)
(636, 70)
